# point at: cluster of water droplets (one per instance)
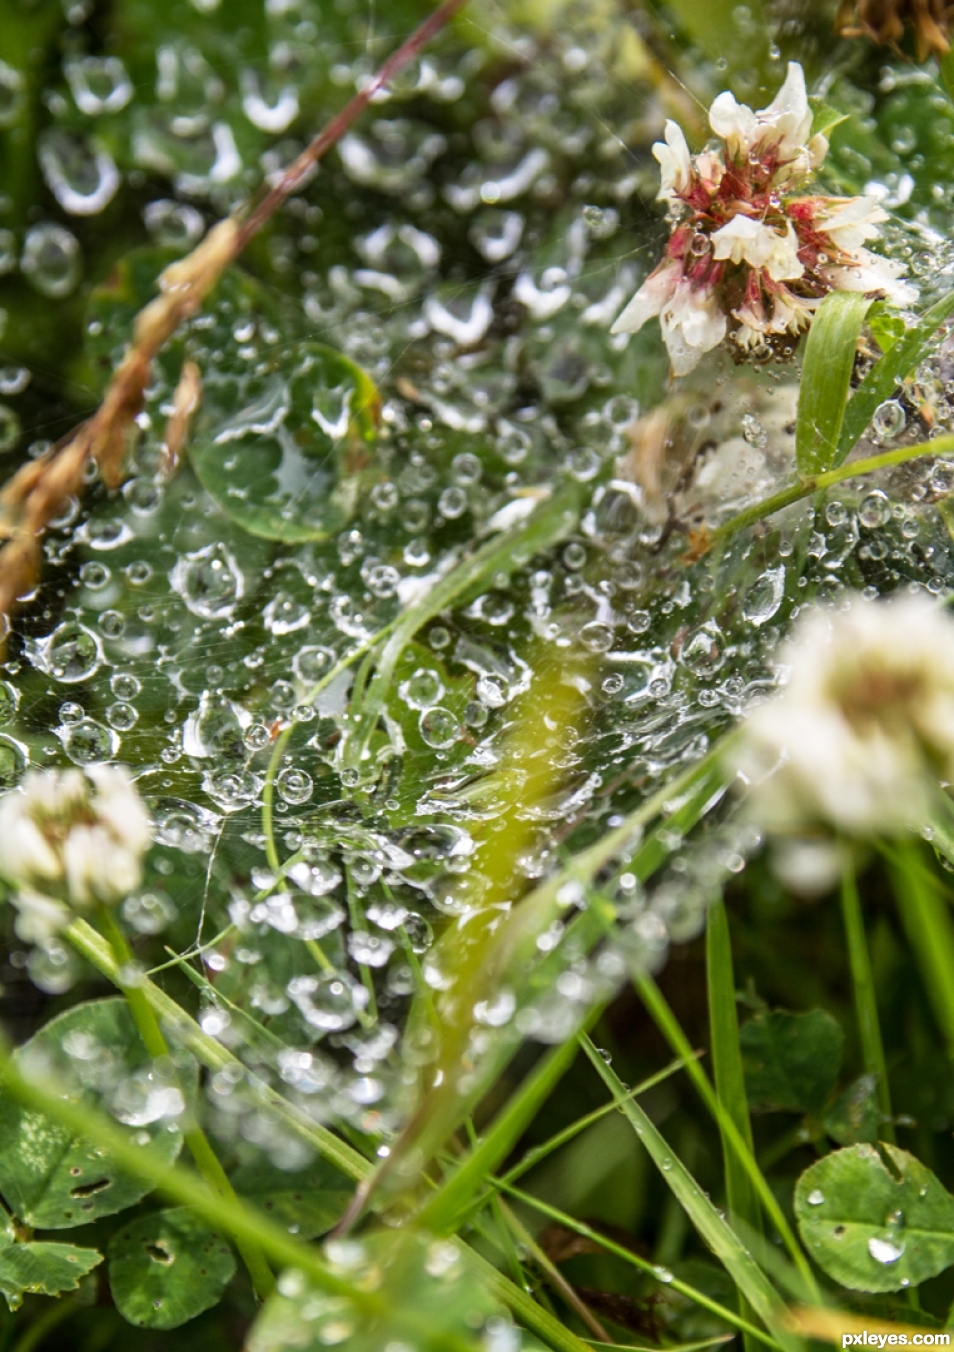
(467, 286)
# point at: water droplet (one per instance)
(148, 912)
(462, 317)
(704, 650)
(312, 663)
(884, 1250)
(86, 741)
(753, 431)
(816, 1197)
(173, 225)
(391, 156)
(51, 260)
(316, 877)
(889, 420)
(71, 653)
(275, 116)
(874, 510)
(9, 428)
(83, 179)
(422, 690)
(371, 950)
(148, 1095)
(14, 379)
(387, 915)
(209, 581)
(294, 786)
(597, 636)
(12, 94)
(439, 728)
(99, 84)
(764, 597)
(121, 716)
(601, 222)
(329, 1002)
(496, 1012)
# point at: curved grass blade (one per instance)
(713, 1229)
(866, 1004)
(636, 1260)
(551, 522)
(826, 373)
(669, 1026)
(728, 1073)
(442, 1211)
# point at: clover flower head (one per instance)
(68, 840)
(751, 256)
(863, 730)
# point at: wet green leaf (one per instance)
(166, 1268)
(791, 1060)
(886, 327)
(282, 451)
(826, 372)
(56, 1181)
(309, 1201)
(284, 433)
(427, 1295)
(855, 1115)
(825, 118)
(42, 1268)
(870, 1230)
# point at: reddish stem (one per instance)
(298, 172)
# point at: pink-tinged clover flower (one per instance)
(749, 257)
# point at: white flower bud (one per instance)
(71, 839)
(865, 726)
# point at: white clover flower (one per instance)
(70, 839)
(865, 726)
(747, 259)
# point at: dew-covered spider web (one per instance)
(411, 363)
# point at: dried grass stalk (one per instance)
(35, 494)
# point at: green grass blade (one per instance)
(714, 1230)
(826, 373)
(888, 373)
(214, 1056)
(525, 1309)
(930, 930)
(643, 1264)
(552, 1273)
(540, 1152)
(724, 1032)
(668, 1024)
(174, 1181)
(508, 1126)
(728, 1073)
(866, 1005)
(672, 1347)
(550, 522)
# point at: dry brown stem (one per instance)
(185, 401)
(36, 493)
